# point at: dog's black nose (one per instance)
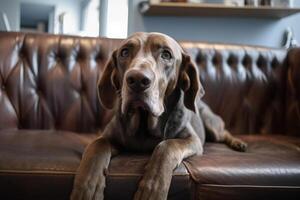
(138, 80)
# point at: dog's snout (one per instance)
(138, 80)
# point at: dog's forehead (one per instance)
(164, 40)
(154, 38)
(138, 36)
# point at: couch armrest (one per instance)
(293, 92)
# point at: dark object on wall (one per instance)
(4, 23)
(251, 2)
(193, 9)
(289, 40)
(176, 1)
(266, 2)
(37, 17)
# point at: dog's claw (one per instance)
(81, 194)
(93, 190)
(151, 189)
(238, 145)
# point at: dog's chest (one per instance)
(140, 133)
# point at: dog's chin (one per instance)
(133, 106)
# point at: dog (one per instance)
(153, 87)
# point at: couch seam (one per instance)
(252, 186)
(36, 172)
(73, 173)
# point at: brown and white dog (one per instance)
(154, 89)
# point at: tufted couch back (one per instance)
(49, 82)
(245, 85)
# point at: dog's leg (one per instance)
(165, 158)
(233, 142)
(90, 178)
(216, 129)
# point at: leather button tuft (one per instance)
(21, 55)
(98, 56)
(38, 91)
(3, 87)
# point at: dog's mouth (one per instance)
(135, 103)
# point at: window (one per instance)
(117, 19)
(90, 18)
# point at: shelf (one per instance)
(211, 10)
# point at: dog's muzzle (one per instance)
(139, 92)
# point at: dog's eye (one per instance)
(166, 55)
(124, 53)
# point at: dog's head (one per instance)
(146, 69)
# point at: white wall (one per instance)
(256, 31)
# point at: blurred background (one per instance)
(120, 18)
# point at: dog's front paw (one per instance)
(89, 190)
(82, 193)
(238, 145)
(152, 189)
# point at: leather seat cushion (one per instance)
(269, 168)
(269, 161)
(39, 164)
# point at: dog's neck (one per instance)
(141, 123)
(172, 100)
(176, 116)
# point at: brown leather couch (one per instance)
(49, 111)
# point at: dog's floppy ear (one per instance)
(189, 82)
(108, 84)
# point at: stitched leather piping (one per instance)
(72, 173)
(250, 186)
(135, 174)
(36, 172)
